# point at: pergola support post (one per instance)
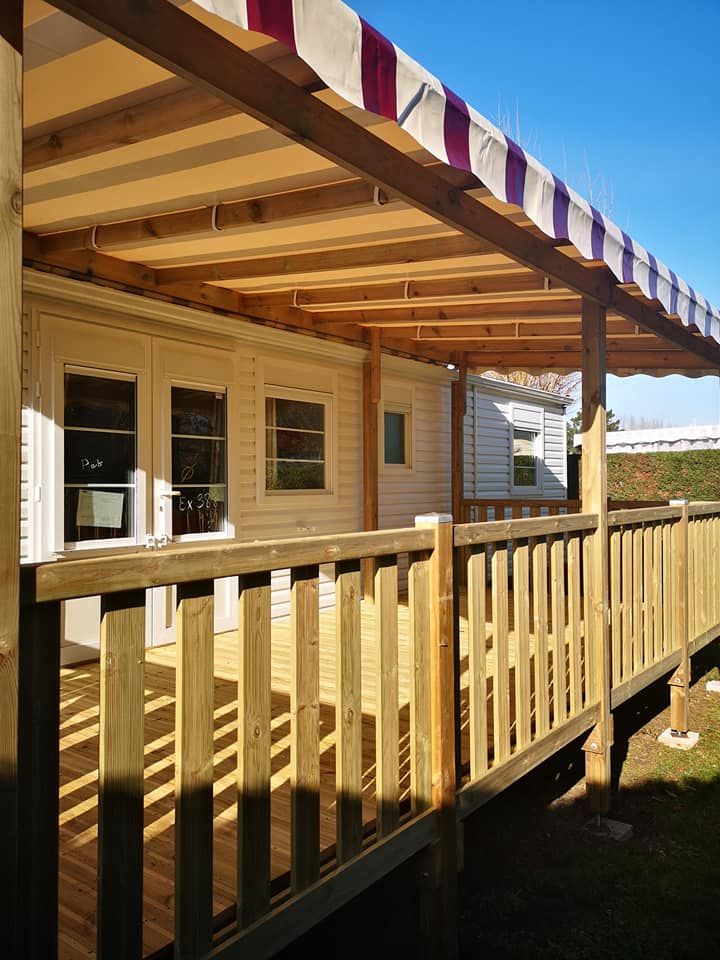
(10, 404)
(594, 500)
(459, 407)
(371, 393)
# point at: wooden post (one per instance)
(459, 407)
(10, 403)
(371, 392)
(594, 500)
(680, 681)
(439, 906)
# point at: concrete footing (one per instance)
(678, 741)
(609, 829)
(713, 686)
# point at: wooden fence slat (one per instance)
(195, 690)
(348, 709)
(667, 574)
(254, 747)
(588, 616)
(627, 609)
(540, 627)
(637, 589)
(521, 600)
(477, 661)
(420, 690)
(38, 772)
(387, 721)
(305, 729)
(501, 668)
(120, 779)
(657, 594)
(574, 560)
(648, 657)
(559, 647)
(615, 605)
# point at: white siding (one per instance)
(555, 472)
(26, 473)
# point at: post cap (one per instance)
(678, 503)
(428, 518)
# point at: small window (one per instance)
(295, 444)
(100, 457)
(199, 461)
(396, 437)
(525, 465)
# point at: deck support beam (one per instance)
(371, 393)
(594, 500)
(10, 403)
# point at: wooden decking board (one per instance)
(79, 761)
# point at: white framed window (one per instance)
(397, 435)
(525, 458)
(298, 441)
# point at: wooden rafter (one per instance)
(470, 313)
(176, 41)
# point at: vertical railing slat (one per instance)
(38, 771)
(559, 648)
(254, 746)
(647, 577)
(657, 593)
(195, 689)
(420, 689)
(627, 609)
(120, 783)
(477, 661)
(574, 553)
(521, 596)
(501, 666)
(615, 605)
(305, 730)
(637, 588)
(540, 627)
(387, 728)
(348, 709)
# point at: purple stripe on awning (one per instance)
(457, 130)
(674, 291)
(515, 170)
(378, 65)
(597, 235)
(691, 308)
(561, 205)
(628, 260)
(708, 322)
(273, 17)
(653, 276)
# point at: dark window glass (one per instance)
(100, 457)
(395, 438)
(524, 458)
(295, 445)
(199, 461)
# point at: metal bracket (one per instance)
(595, 742)
(677, 679)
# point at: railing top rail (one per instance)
(496, 531)
(618, 518)
(72, 579)
(702, 508)
(510, 502)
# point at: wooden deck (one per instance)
(79, 771)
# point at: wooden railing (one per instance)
(399, 830)
(527, 692)
(476, 510)
(523, 684)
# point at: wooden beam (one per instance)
(274, 208)
(10, 403)
(174, 40)
(371, 391)
(410, 314)
(380, 295)
(335, 258)
(594, 500)
(459, 407)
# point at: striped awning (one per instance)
(369, 71)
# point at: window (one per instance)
(199, 461)
(525, 465)
(396, 427)
(100, 456)
(295, 444)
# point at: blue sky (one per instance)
(622, 99)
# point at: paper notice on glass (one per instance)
(217, 492)
(96, 508)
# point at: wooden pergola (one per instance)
(170, 154)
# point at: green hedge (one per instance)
(690, 474)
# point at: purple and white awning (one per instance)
(370, 72)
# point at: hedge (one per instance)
(690, 474)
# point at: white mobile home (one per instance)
(148, 424)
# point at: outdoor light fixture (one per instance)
(451, 366)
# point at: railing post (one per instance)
(439, 908)
(594, 500)
(371, 394)
(680, 681)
